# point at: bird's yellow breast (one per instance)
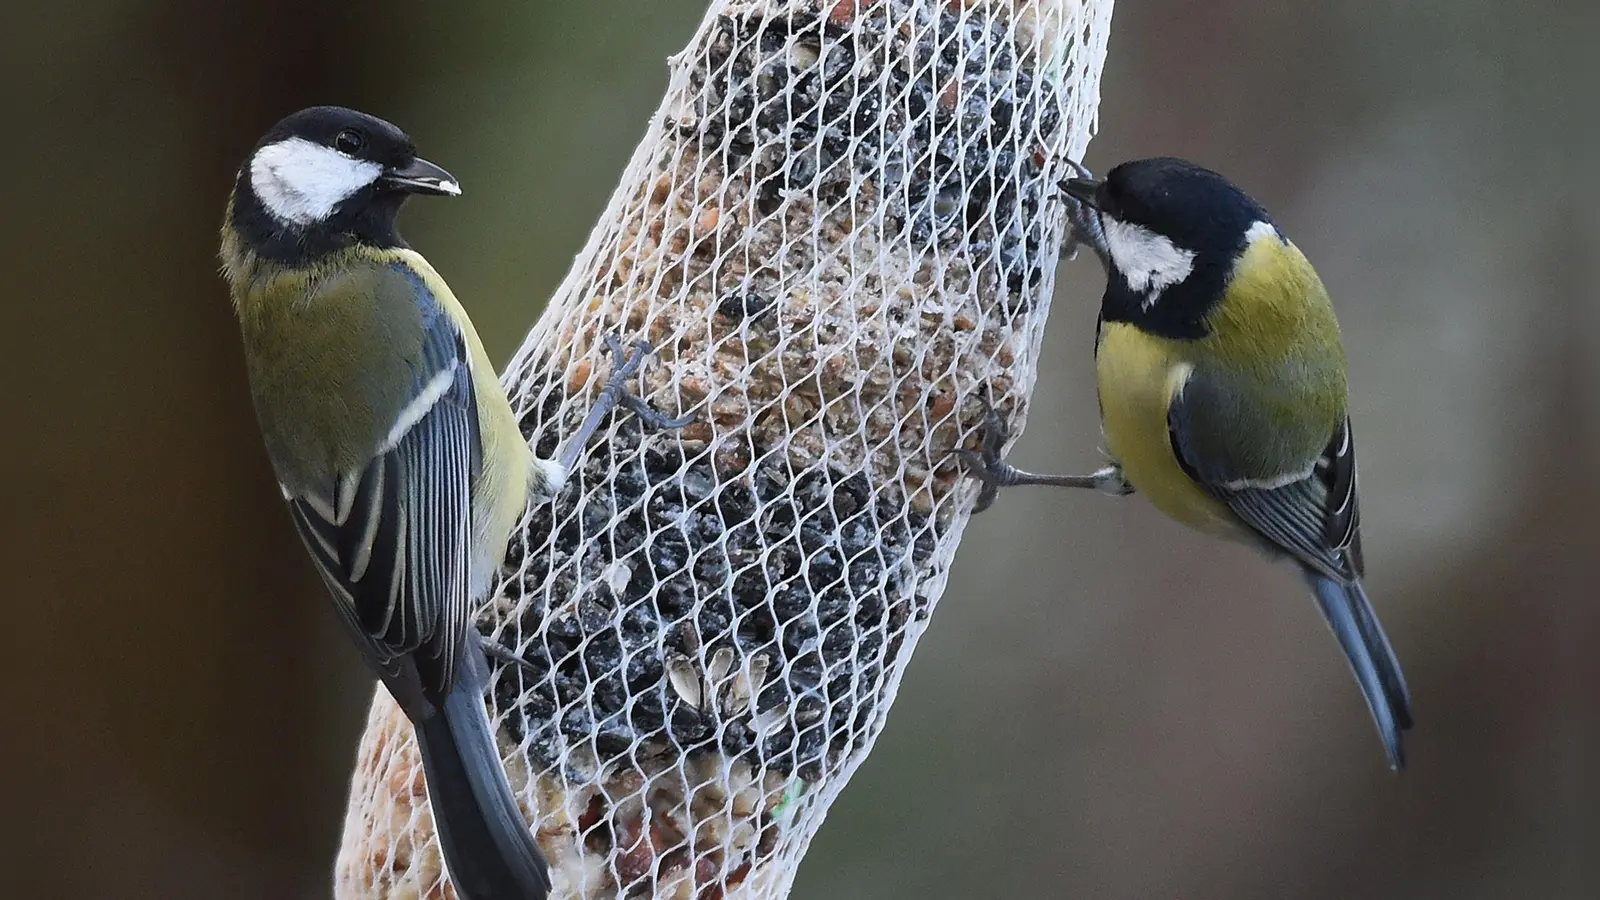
(1138, 373)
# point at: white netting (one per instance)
(839, 234)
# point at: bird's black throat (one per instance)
(1179, 311)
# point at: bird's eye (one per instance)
(350, 142)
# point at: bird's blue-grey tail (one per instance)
(1371, 658)
(489, 850)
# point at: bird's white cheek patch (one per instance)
(301, 182)
(1150, 262)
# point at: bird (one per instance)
(395, 448)
(1222, 384)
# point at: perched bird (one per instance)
(1223, 399)
(396, 449)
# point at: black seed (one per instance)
(740, 305)
(614, 737)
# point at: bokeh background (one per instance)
(1105, 706)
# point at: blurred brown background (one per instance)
(1104, 707)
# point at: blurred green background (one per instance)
(1105, 706)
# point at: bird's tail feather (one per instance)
(489, 849)
(1355, 625)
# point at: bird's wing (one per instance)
(391, 540)
(1235, 448)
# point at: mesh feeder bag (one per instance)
(840, 235)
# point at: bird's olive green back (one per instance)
(358, 322)
(1275, 329)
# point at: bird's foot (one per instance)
(616, 389)
(616, 394)
(1085, 222)
(987, 465)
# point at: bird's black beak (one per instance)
(1082, 190)
(420, 177)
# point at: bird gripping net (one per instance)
(840, 235)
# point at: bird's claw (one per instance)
(984, 471)
(501, 653)
(988, 466)
(626, 363)
(615, 394)
(986, 463)
(649, 415)
(616, 389)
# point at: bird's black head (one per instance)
(328, 177)
(1173, 232)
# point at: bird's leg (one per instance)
(988, 466)
(1085, 222)
(613, 395)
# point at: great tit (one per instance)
(395, 447)
(1223, 399)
